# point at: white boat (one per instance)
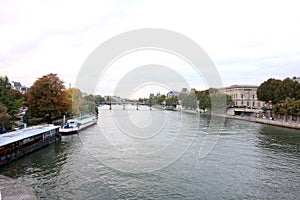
(75, 125)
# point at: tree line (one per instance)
(204, 100)
(47, 100)
(10, 102)
(283, 96)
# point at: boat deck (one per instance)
(10, 137)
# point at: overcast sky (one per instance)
(248, 41)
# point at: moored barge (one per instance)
(78, 124)
(21, 142)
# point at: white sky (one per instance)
(249, 41)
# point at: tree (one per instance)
(205, 102)
(290, 107)
(4, 116)
(11, 99)
(89, 105)
(288, 88)
(297, 91)
(172, 101)
(82, 104)
(213, 97)
(275, 90)
(270, 90)
(190, 101)
(48, 98)
(160, 99)
(75, 98)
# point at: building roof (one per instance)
(241, 86)
(184, 90)
(16, 84)
(21, 134)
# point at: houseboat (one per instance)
(75, 125)
(21, 142)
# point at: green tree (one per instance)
(160, 99)
(89, 105)
(11, 99)
(297, 91)
(172, 101)
(48, 98)
(289, 107)
(213, 97)
(288, 89)
(75, 98)
(99, 99)
(190, 101)
(205, 102)
(4, 116)
(271, 90)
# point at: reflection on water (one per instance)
(279, 139)
(249, 161)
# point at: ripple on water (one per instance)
(249, 161)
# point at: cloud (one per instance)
(248, 41)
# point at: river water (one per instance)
(247, 161)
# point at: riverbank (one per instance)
(273, 122)
(268, 121)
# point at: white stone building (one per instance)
(244, 96)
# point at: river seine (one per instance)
(247, 161)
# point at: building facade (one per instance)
(244, 96)
(296, 79)
(18, 86)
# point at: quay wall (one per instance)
(274, 122)
(287, 124)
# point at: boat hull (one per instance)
(17, 149)
(90, 121)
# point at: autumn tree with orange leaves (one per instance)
(48, 98)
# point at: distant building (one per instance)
(25, 89)
(18, 86)
(193, 90)
(173, 93)
(184, 91)
(296, 79)
(244, 95)
(151, 96)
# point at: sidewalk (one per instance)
(275, 122)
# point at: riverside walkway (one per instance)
(274, 122)
(11, 189)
